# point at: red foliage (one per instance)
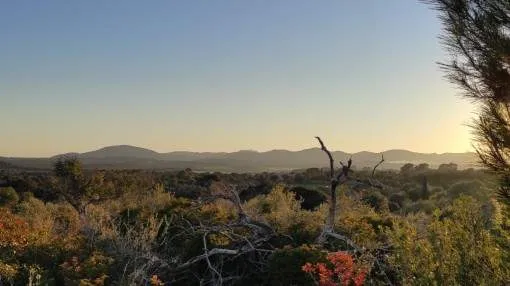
(341, 271)
(14, 231)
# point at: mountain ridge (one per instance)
(128, 156)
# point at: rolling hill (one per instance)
(131, 157)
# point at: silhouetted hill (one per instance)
(121, 151)
(131, 157)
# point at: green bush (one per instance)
(458, 247)
(475, 189)
(377, 201)
(397, 201)
(285, 265)
(8, 196)
(425, 206)
(281, 210)
(310, 199)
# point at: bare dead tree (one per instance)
(335, 181)
(339, 179)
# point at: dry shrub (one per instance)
(91, 270)
(281, 210)
(14, 231)
(52, 224)
(358, 222)
(39, 218)
(219, 211)
(131, 246)
(8, 272)
(151, 201)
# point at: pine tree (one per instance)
(477, 36)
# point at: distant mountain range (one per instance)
(130, 157)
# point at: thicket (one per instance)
(414, 226)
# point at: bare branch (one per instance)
(345, 239)
(375, 167)
(209, 264)
(340, 179)
(247, 237)
(331, 161)
(335, 181)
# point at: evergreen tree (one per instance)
(477, 35)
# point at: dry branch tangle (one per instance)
(254, 242)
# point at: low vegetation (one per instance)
(418, 226)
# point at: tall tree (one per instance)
(477, 36)
(76, 187)
(70, 173)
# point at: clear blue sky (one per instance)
(224, 75)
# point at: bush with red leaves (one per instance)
(341, 270)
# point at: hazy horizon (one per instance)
(225, 76)
(233, 151)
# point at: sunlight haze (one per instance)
(225, 76)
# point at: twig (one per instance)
(209, 264)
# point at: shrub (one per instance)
(89, 271)
(340, 270)
(377, 201)
(310, 199)
(66, 221)
(8, 272)
(14, 231)
(356, 221)
(280, 209)
(284, 266)
(253, 191)
(475, 189)
(8, 196)
(458, 247)
(397, 201)
(425, 206)
(40, 219)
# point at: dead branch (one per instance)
(375, 167)
(341, 178)
(209, 264)
(331, 161)
(345, 239)
(232, 195)
(246, 237)
(240, 246)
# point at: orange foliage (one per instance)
(14, 230)
(342, 271)
(155, 281)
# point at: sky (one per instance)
(223, 75)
